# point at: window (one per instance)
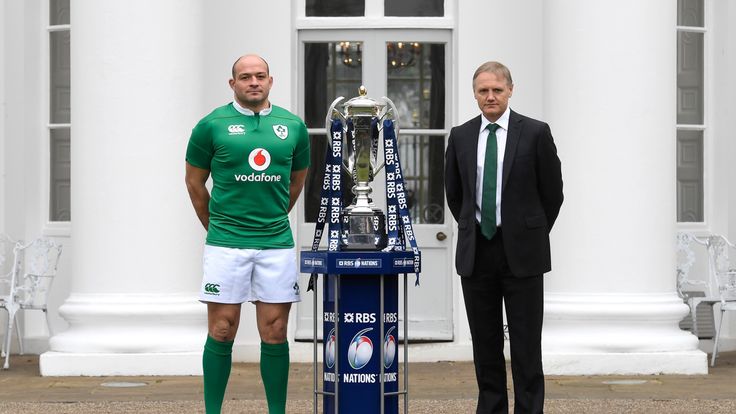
(419, 8)
(394, 8)
(335, 8)
(691, 123)
(416, 81)
(333, 69)
(59, 121)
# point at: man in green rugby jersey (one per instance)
(257, 155)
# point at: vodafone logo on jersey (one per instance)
(259, 159)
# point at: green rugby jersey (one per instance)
(250, 158)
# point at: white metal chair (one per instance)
(699, 295)
(8, 270)
(35, 265)
(724, 275)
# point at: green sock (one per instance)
(275, 375)
(217, 360)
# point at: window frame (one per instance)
(374, 19)
(708, 146)
(374, 31)
(50, 227)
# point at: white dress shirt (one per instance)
(501, 133)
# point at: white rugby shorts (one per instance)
(249, 275)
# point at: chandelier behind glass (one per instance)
(398, 54)
(350, 53)
(402, 54)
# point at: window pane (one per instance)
(690, 194)
(60, 179)
(423, 8)
(331, 70)
(58, 12)
(416, 83)
(690, 13)
(690, 79)
(335, 8)
(59, 93)
(422, 162)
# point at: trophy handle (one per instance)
(394, 112)
(329, 117)
(395, 115)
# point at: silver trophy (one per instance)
(364, 225)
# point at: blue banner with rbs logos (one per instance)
(357, 352)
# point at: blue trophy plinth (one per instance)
(360, 353)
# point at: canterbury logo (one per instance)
(236, 129)
(212, 289)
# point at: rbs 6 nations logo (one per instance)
(360, 350)
(389, 348)
(330, 349)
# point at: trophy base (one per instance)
(364, 231)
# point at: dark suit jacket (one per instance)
(530, 199)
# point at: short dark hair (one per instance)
(268, 71)
(497, 68)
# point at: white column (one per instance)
(136, 94)
(609, 95)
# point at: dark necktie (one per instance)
(488, 205)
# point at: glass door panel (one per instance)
(416, 84)
(422, 160)
(331, 69)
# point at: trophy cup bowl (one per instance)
(364, 225)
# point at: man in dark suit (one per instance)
(504, 187)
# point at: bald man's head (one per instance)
(249, 57)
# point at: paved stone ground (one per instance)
(553, 406)
(436, 388)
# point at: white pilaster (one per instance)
(609, 95)
(3, 104)
(136, 95)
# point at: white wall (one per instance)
(719, 76)
(724, 111)
(731, 104)
(234, 28)
(3, 104)
(11, 26)
(722, 135)
(508, 32)
(13, 125)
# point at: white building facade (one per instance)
(98, 100)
